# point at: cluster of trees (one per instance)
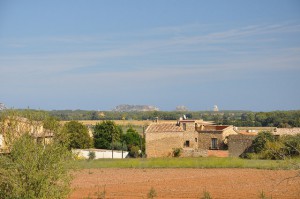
(237, 118)
(268, 146)
(34, 169)
(106, 135)
(281, 119)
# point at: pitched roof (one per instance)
(287, 131)
(160, 128)
(247, 133)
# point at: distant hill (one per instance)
(131, 108)
(2, 106)
(182, 108)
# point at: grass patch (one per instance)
(210, 162)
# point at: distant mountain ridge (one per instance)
(131, 108)
(2, 107)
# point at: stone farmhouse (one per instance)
(14, 127)
(195, 137)
(199, 138)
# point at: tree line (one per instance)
(281, 119)
(105, 135)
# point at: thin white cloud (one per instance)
(213, 42)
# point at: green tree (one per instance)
(78, 135)
(132, 138)
(133, 141)
(33, 169)
(106, 133)
(292, 144)
(260, 141)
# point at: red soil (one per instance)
(186, 183)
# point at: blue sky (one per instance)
(95, 55)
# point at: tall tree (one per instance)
(133, 141)
(106, 133)
(78, 135)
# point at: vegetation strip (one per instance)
(211, 162)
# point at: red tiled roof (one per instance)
(164, 128)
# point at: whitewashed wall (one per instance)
(84, 153)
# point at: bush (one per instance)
(292, 144)
(177, 152)
(260, 141)
(135, 151)
(274, 151)
(152, 193)
(92, 155)
(206, 195)
(34, 170)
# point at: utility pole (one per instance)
(122, 148)
(112, 146)
(141, 139)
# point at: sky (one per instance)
(95, 55)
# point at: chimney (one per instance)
(201, 127)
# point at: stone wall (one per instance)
(192, 137)
(194, 153)
(204, 140)
(239, 144)
(162, 144)
(218, 153)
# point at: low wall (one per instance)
(204, 153)
(194, 153)
(218, 153)
(99, 154)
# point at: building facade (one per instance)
(195, 138)
(14, 127)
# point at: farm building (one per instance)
(13, 127)
(199, 138)
(195, 137)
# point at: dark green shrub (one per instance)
(92, 155)
(206, 195)
(177, 152)
(135, 151)
(152, 193)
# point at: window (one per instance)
(39, 140)
(187, 143)
(196, 140)
(214, 143)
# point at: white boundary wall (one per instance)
(100, 153)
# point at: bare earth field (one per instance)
(186, 183)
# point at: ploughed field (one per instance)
(185, 183)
